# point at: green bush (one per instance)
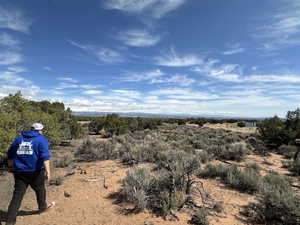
(200, 217)
(63, 162)
(294, 166)
(92, 151)
(246, 180)
(136, 187)
(241, 124)
(288, 151)
(272, 131)
(17, 114)
(277, 203)
(214, 171)
(236, 151)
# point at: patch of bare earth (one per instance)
(231, 127)
(90, 203)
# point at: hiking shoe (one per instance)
(49, 206)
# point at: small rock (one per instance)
(67, 195)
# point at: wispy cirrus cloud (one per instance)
(172, 59)
(143, 76)
(233, 49)
(282, 29)
(68, 79)
(138, 38)
(156, 8)
(11, 82)
(234, 73)
(158, 77)
(180, 80)
(92, 92)
(9, 41)
(47, 68)
(14, 19)
(10, 58)
(127, 93)
(91, 86)
(104, 55)
(181, 94)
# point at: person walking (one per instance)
(29, 161)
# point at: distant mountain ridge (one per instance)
(134, 114)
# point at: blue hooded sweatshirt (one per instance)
(29, 151)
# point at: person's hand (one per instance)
(10, 169)
(47, 176)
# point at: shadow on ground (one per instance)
(3, 214)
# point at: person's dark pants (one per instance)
(36, 180)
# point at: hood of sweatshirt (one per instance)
(31, 133)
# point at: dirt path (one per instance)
(89, 203)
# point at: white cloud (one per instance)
(8, 40)
(143, 76)
(130, 5)
(225, 72)
(156, 8)
(14, 19)
(47, 68)
(181, 80)
(282, 78)
(157, 76)
(282, 29)
(233, 49)
(64, 85)
(138, 38)
(91, 86)
(108, 55)
(104, 55)
(234, 73)
(181, 94)
(11, 82)
(92, 92)
(55, 92)
(174, 60)
(128, 93)
(68, 79)
(10, 58)
(17, 69)
(166, 6)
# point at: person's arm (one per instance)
(11, 154)
(47, 170)
(10, 165)
(45, 156)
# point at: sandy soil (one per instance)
(90, 202)
(232, 127)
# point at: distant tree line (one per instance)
(18, 113)
(113, 124)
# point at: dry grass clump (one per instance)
(148, 145)
(277, 203)
(288, 151)
(200, 217)
(167, 189)
(245, 180)
(92, 151)
(294, 166)
(64, 162)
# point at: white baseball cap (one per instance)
(37, 126)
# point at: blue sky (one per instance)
(227, 58)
